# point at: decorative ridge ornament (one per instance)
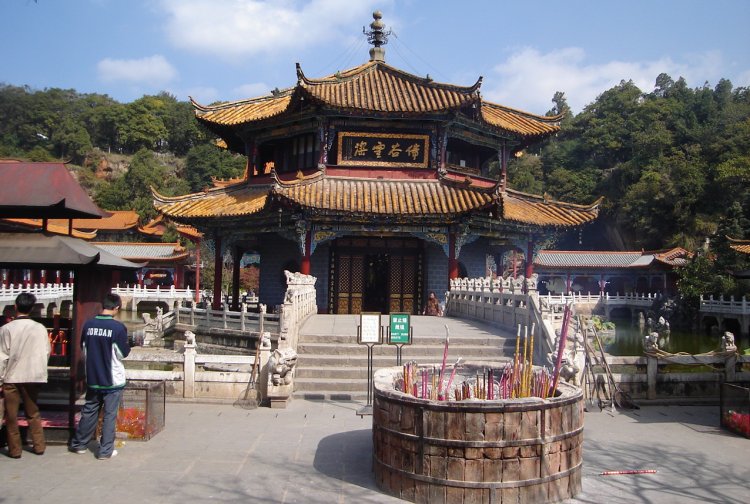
(377, 36)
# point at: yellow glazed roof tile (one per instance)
(536, 210)
(230, 201)
(384, 197)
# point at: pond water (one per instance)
(628, 340)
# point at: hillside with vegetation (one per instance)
(673, 164)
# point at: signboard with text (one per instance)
(383, 149)
(400, 329)
(369, 328)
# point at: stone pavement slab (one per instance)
(321, 452)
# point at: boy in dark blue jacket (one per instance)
(105, 344)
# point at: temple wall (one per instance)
(435, 270)
(276, 254)
(319, 268)
(473, 256)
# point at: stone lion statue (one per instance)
(651, 342)
(727, 342)
(281, 366)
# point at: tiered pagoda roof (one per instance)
(389, 191)
(376, 89)
(425, 198)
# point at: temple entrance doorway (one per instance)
(375, 275)
(375, 295)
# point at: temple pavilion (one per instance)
(382, 184)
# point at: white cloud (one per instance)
(528, 79)
(204, 95)
(154, 70)
(251, 90)
(234, 28)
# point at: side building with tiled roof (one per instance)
(604, 272)
(380, 183)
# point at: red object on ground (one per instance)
(630, 471)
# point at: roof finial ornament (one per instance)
(377, 36)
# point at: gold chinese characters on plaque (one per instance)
(383, 149)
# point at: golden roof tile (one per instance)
(517, 121)
(55, 226)
(383, 197)
(738, 245)
(118, 220)
(243, 111)
(541, 211)
(229, 201)
(378, 87)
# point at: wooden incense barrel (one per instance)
(517, 450)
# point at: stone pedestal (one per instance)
(279, 395)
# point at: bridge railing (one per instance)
(642, 300)
(721, 305)
(41, 291)
(648, 378)
(507, 303)
(195, 375)
(205, 319)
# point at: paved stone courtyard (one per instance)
(320, 452)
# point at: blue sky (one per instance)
(220, 50)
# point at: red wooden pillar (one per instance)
(43, 277)
(452, 261)
(197, 271)
(116, 278)
(530, 257)
(305, 264)
(218, 267)
(567, 283)
(236, 256)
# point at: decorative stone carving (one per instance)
(281, 366)
(727, 342)
(189, 338)
(532, 282)
(265, 340)
(651, 342)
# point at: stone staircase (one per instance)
(332, 366)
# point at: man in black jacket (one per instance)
(105, 344)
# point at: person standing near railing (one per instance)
(24, 352)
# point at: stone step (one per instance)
(341, 385)
(467, 339)
(331, 395)
(415, 350)
(390, 360)
(348, 372)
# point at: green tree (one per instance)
(206, 161)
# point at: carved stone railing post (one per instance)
(189, 366)
(652, 369)
(299, 303)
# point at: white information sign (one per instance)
(369, 328)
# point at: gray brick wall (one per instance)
(276, 253)
(319, 267)
(473, 257)
(436, 271)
